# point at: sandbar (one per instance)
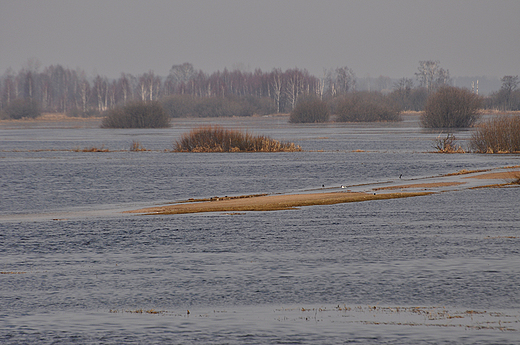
(504, 175)
(421, 185)
(272, 202)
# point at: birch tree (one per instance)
(276, 85)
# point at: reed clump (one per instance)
(497, 135)
(218, 139)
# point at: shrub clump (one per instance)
(218, 139)
(497, 135)
(367, 107)
(310, 109)
(137, 115)
(22, 108)
(451, 107)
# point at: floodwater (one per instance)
(436, 269)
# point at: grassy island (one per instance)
(218, 139)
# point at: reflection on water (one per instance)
(436, 269)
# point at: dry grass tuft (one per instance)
(218, 139)
(92, 149)
(137, 146)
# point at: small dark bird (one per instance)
(400, 175)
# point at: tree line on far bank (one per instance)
(187, 92)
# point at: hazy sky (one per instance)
(383, 37)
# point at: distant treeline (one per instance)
(187, 91)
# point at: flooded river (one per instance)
(436, 269)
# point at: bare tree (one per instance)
(125, 87)
(182, 73)
(431, 75)
(505, 95)
(8, 94)
(100, 91)
(402, 90)
(46, 87)
(339, 81)
(276, 85)
(404, 85)
(84, 91)
(345, 79)
(143, 87)
(509, 83)
(383, 83)
(293, 86)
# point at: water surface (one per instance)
(87, 273)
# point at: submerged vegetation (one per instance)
(218, 139)
(497, 135)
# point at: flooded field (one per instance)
(439, 268)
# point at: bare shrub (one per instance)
(310, 109)
(497, 135)
(367, 106)
(218, 139)
(137, 115)
(22, 108)
(447, 144)
(451, 107)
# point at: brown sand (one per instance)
(272, 202)
(505, 175)
(421, 185)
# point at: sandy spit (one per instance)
(272, 202)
